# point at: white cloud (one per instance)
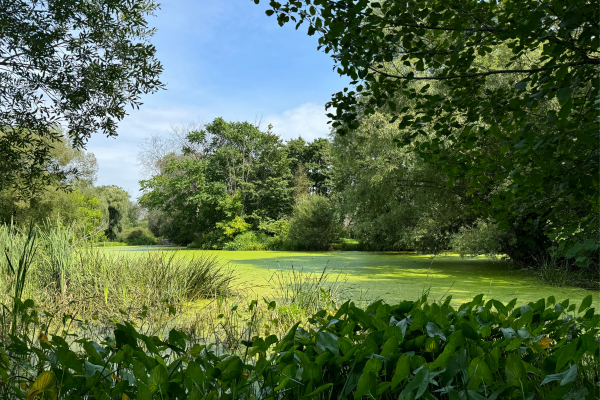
(308, 120)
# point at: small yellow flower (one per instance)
(544, 342)
(43, 338)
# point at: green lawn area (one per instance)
(390, 276)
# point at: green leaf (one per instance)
(312, 371)
(479, 371)
(564, 377)
(402, 370)
(45, 386)
(390, 347)
(585, 304)
(367, 384)
(143, 392)
(515, 371)
(564, 94)
(469, 332)
(495, 131)
(327, 341)
(320, 389)
(570, 375)
(565, 110)
(158, 377)
(521, 85)
(419, 382)
(374, 365)
(434, 330)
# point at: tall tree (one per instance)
(545, 116)
(225, 170)
(312, 160)
(76, 64)
(118, 210)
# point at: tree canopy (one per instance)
(529, 142)
(76, 64)
(227, 175)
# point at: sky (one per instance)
(227, 59)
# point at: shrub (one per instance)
(411, 350)
(230, 229)
(280, 228)
(482, 238)
(315, 224)
(248, 241)
(137, 236)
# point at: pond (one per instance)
(389, 276)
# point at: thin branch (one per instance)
(495, 72)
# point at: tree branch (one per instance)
(495, 72)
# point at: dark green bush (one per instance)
(138, 236)
(411, 350)
(315, 224)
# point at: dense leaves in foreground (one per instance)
(412, 350)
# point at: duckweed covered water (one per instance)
(389, 276)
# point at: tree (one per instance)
(225, 170)
(311, 161)
(77, 64)
(544, 118)
(73, 168)
(117, 208)
(393, 200)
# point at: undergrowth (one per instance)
(411, 350)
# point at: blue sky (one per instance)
(227, 59)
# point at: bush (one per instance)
(482, 238)
(482, 350)
(248, 241)
(137, 236)
(315, 224)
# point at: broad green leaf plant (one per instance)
(411, 350)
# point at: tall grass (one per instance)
(50, 265)
(57, 255)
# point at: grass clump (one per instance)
(66, 274)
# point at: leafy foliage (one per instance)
(484, 237)
(393, 200)
(534, 131)
(227, 171)
(137, 236)
(69, 63)
(315, 224)
(248, 241)
(119, 211)
(411, 350)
